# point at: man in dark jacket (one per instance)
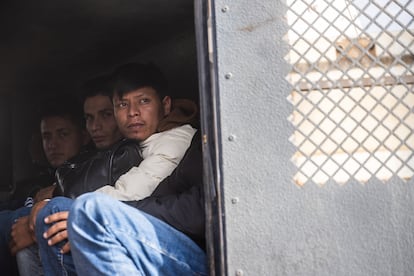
(160, 235)
(63, 136)
(73, 175)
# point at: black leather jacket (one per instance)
(93, 169)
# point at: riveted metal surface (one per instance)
(277, 227)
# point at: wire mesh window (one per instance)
(352, 78)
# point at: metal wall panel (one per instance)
(274, 226)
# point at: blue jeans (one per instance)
(109, 237)
(28, 261)
(53, 262)
(7, 219)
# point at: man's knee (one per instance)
(97, 208)
(88, 202)
(55, 205)
(87, 206)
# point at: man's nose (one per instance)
(96, 125)
(52, 143)
(134, 111)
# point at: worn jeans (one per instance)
(109, 237)
(53, 261)
(28, 261)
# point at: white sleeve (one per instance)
(162, 156)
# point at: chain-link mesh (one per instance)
(352, 79)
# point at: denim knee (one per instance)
(55, 205)
(87, 205)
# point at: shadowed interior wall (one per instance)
(176, 56)
(5, 144)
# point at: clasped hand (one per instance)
(23, 230)
(57, 232)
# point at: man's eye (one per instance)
(121, 105)
(108, 114)
(63, 134)
(144, 101)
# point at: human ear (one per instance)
(166, 104)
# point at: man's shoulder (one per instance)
(181, 135)
(181, 132)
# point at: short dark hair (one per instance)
(64, 106)
(99, 85)
(133, 76)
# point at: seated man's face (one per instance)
(61, 139)
(100, 121)
(139, 112)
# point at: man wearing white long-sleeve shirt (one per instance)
(161, 153)
(143, 112)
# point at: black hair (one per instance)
(64, 106)
(133, 76)
(97, 86)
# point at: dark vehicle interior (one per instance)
(51, 47)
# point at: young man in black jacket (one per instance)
(171, 219)
(74, 174)
(63, 136)
(160, 235)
